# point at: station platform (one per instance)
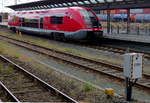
(129, 37)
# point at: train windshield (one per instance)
(90, 19)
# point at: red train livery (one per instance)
(75, 23)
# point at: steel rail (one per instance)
(15, 99)
(102, 62)
(69, 99)
(106, 64)
(122, 50)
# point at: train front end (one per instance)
(92, 24)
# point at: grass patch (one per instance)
(45, 44)
(57, 47)
(5, 69)
(5, 48)
(87, 87)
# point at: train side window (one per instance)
(56, 20)
(41, 23)
(31, 23)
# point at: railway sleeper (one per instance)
(25, 92)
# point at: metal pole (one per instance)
(111, 28)
(108, 21)
(138, 30)
(128, 89)
(128, 21)
(149, 30)
(146, 29)
(118, 29)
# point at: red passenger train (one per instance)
(75, 23)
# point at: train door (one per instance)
(41, 23)
(21, 22)
(0, 18)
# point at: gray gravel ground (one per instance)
(99, 80)
(95, 53)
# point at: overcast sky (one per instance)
(4, 3)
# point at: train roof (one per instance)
(46, 10)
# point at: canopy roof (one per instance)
(94, 4)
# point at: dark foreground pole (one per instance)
(128, 89)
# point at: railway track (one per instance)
(120, 50)
(9, 96)
(102, 67)
(22, 86)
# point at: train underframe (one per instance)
(81, 35)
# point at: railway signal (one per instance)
(133, 66)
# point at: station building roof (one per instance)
(94, 4)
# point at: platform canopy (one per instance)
(94, 4)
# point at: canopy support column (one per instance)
(128, 21)
(108, 21)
